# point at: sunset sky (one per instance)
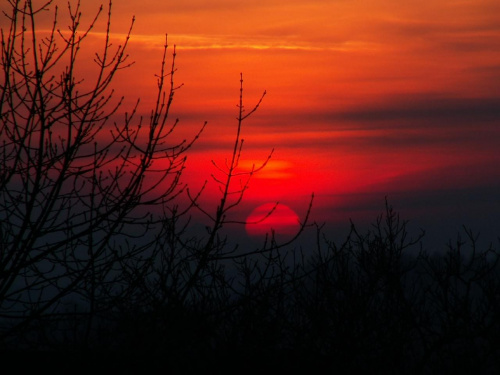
(365, 99)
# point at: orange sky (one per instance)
(365, 98)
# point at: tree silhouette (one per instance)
(74, 182)
(78, 243)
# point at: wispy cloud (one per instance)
(232, 42)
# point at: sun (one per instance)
(283, 221)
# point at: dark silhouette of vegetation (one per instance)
(90, 278)
(75, 187)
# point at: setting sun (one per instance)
(269, 218)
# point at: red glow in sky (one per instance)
(364, 98)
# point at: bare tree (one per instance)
(75, 182)
(78, 242)
(202, 277)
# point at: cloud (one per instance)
(405, 111)
(456, 110)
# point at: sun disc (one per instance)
(283, 221)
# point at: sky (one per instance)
(365, 99)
